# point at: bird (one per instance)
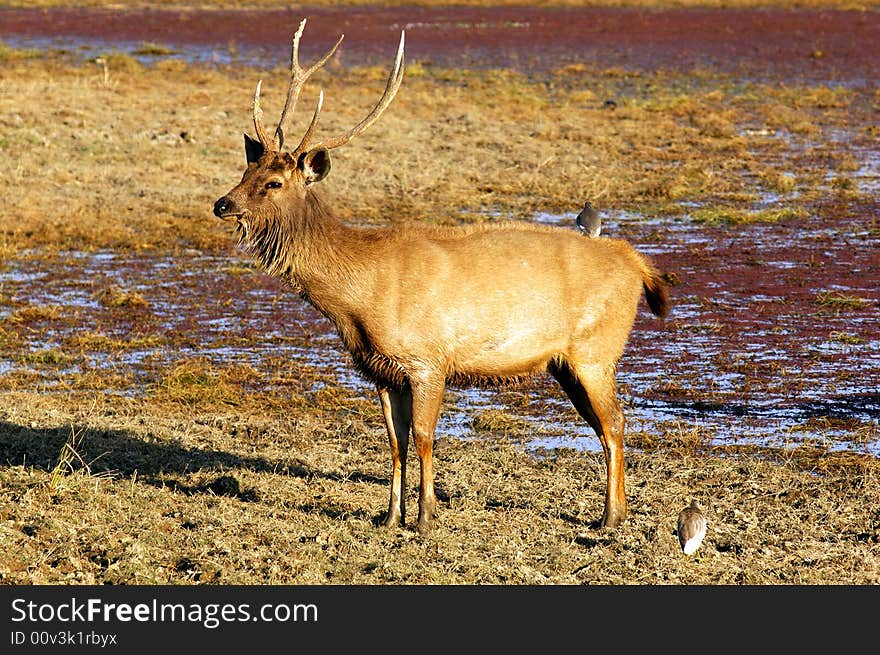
(691, 529)
(588, 220)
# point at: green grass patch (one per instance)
(737, 216)
(153, 50)
(49, 356)
(837, 300)
(8, 53)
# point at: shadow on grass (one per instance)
(122, 453)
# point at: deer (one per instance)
(419, 307)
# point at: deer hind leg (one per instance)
(397, 409)
(427, 395)
(592, 390)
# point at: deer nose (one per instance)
(222, 207)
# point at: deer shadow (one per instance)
(126, 454)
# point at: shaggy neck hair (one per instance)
(297, 241)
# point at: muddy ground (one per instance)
(759, 396)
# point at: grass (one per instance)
(154, 50)
(545, 144)
(846, 338)
(8, 53)
(49, 356)
(115, 297)
(67, 459)
(183, 488)
(97, 341)
(36, 313)
(739, 216)
(497, 420)
(840, 301)
(195, 382)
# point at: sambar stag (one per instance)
(420, 307)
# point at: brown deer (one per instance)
(421, 307)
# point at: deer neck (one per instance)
(312, 250)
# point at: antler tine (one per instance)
(298, 78)
(308, 135)
(258, 118)
(391, 87)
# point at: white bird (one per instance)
(691, 528)
(588, 220)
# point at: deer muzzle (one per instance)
(224, 208)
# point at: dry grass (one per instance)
(172, 492)
(136, 159)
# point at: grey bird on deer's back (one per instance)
(420, 307)
(588, 221)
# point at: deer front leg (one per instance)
(427, 394)
(397, 409)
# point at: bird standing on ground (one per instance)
(588, 220)
(691, 528)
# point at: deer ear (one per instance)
(314, 164)
(253, 149)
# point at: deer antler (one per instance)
(258, 118)
(298, 78)
(391, 87)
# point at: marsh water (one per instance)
(765, 43)
(773, 338)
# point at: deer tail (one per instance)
(655, 290)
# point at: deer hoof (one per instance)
(611, 520)
(392, 521)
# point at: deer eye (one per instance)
(273, 184)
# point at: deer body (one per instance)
(395, 309)
(421, 307)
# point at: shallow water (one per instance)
(90, 48)
(748, 354)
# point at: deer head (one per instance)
(274, 178)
